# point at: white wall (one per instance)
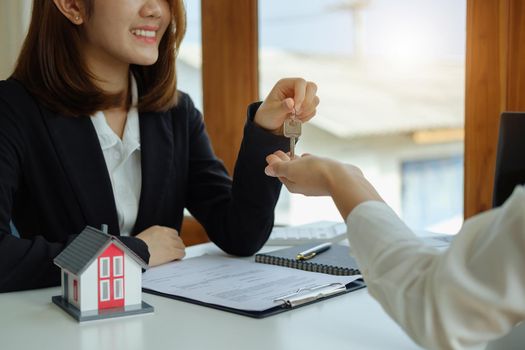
(89, 288)
(14, 21)
(132, 282)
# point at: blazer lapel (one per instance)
(156, 144)
(79, 150)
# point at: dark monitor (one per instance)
(510, 159)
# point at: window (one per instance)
(104, 290)
(75, 290)
(14, 21)
(391, 83)
(104, 267)
(443, 211)
(118, 266)
(189, 60)
(118, 285)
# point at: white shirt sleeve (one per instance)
(461, 298)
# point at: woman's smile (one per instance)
(146, 34)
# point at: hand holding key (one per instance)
(292, 129)
(289, 96)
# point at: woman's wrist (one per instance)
(278, 131)
(349, 188)
(337, 177)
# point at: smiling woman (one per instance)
(93, 131)
(98, 31)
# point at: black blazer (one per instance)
(54, 182)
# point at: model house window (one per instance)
(119, 288)
(104, 290)
(75, 290)
(104, 267)
(117, 266)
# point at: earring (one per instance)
(77, 18)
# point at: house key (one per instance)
(292, 130)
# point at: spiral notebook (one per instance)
(334, 261)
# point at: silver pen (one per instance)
(310, 253)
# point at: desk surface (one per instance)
(28, 320)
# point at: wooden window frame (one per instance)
(230, 82)
(495, 82)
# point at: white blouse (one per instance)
(457, 299)
(123, 162)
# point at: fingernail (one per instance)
(268, 171)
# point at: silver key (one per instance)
(292, 130)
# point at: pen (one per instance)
(310, 253)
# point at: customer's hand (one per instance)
(164, 244)
(315, 176)
(287, 94)
(308, 175)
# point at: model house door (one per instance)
(111, 278)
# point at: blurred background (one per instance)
(391, 78)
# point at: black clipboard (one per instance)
(355, 285)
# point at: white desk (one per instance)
(28, 320)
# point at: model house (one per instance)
(101, 277)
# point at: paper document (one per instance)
(236, 283)
(320, 231)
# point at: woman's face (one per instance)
(126, 31)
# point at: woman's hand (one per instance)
(308, 175)
(164, 244)
(288, 94)
(314, 176)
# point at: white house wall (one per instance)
(88, 288)
(132, 282)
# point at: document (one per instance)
(320, 231)
(240, 284)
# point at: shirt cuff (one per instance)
(137, 245)
(263, 140)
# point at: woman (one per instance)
(459, 299)
(93, 131)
